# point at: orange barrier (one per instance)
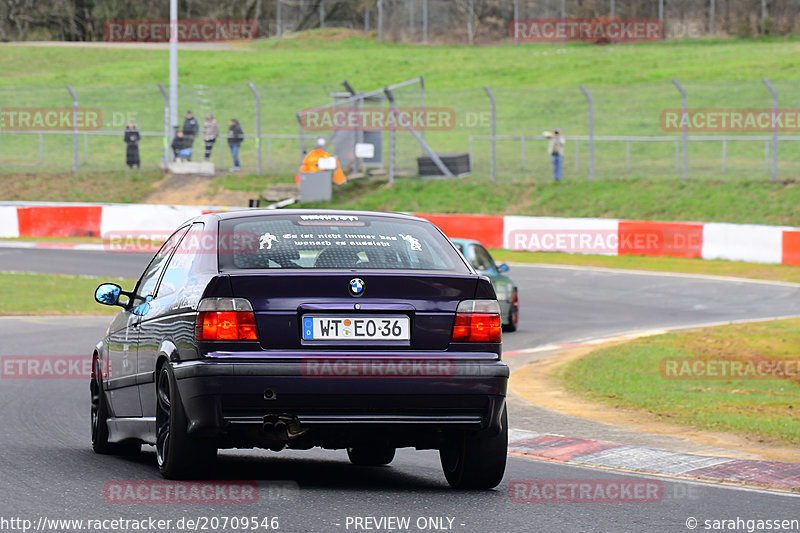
(58, 221)
(486, 229)
(674, 239)
(791, 248)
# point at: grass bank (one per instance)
(754, 202)
(49, 294)
(641, 374)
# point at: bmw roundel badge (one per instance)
(356, 286)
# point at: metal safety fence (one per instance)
(611, 131)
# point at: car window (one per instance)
(149, 280)
(481, 259)
(328, 241)
(181, 262)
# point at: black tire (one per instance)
(99, 420)
(513, 316)
(179, 456)
(476, 461)
(370, 456)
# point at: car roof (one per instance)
(244, 213)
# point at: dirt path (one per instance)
(195, 190)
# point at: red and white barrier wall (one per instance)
(735, 242)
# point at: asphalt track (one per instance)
(47, 468)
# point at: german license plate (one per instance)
(358, 328)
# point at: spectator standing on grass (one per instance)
(210, 133)
(190, 128)
(555, 148)
(235, 138)
(131, 139)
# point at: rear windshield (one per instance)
(328, 241)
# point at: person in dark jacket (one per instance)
(181, 147)
(131, 138)
(190, 128)
(235, 138)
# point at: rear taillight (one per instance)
(477, 321)
(225, 319)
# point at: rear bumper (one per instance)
(221, 396)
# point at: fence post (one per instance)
(166, 123)
(628, 155)
(300, 139)
(392, 148)
(279, 19)
(41, 148)
(258, 125)
(661, 16)
(522, 152)
(425, 21)
(763, 16)
(774, 93)
(724, 152)
(74, 128)
(685, 133)
(514, 23)
(366, 18)
(380, 21)
(471, 22)
(494, 132)
(590, 105)
(269, 154)
(321, 14)
(422, 100)
(85, 148)
(712, 15)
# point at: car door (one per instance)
(123, 345)
(169, 320)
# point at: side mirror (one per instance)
(108, 294)
(503, 268)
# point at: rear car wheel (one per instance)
(179, 455)
(476, 461)
(100, 442)
(370, 456)
(513, 315)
